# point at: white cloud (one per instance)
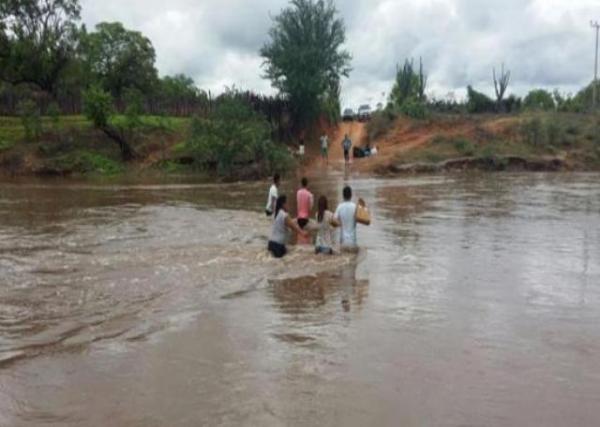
(545, 43)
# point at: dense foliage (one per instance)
(478, 102)
(304, 58)
(539, 99)
(37, 41)
(118, 59)
(234, 136)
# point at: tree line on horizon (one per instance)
(408, 96)
(48, 60)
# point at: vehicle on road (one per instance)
(348, 115)
(364, 113)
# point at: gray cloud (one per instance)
(545, 43)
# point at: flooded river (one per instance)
(475, 301)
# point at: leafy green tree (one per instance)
(119, 59)
(37, 40)
(304, 58)
(179, 94)
(478, 102)
(98, 108)
(408, 92)
(233, 135)
(583, 100)
(539, 99)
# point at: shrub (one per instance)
(414, 108)
(539, 100)
(478, 102)
(464, 147)
(88, 162)
(554, 132)
(98, 106)
(31, 119)
(234, 135)
(533, 131)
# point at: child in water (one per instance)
(326, 228)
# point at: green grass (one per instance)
(528, 135)
(87, 162)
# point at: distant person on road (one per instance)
(347, 145)
(273, 195)
(374, 151)
(279, 233)
(305, 201)
(326, 228)
(325, 148)
(301, 149)
(346, 216)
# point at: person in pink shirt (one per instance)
(305, 204)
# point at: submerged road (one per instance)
(475, 301)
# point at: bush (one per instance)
(31, 119)
(554, 132)
(464, 147)
(88, 162)
(234, 135)
(98, 106)
(478, 102)
(414, 108)
(533, 132)
(539, 100)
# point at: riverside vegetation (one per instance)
(75, 101)
(542, 131)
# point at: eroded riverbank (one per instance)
(474, 301)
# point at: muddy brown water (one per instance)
(475, 301)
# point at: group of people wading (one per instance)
(347, 215)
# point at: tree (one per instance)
(408, 93)
(478, 102)
(304, 58)
(539, 99)
(179, 94)
(500, 85)
(37, 40)
(98, 108)
(119, 59)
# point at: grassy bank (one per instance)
(573, 139)
(70, 145)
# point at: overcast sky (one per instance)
(545, 43)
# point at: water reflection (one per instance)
(306, 299)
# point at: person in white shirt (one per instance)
(301, 149)
(326, 232)
(325, 148)
(273, 195)
(345, 215)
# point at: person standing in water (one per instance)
(326, 233)
(279, 232)
(273, 195)
(345, 215)
(325, 148)
(305, 201)
(347, 146)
